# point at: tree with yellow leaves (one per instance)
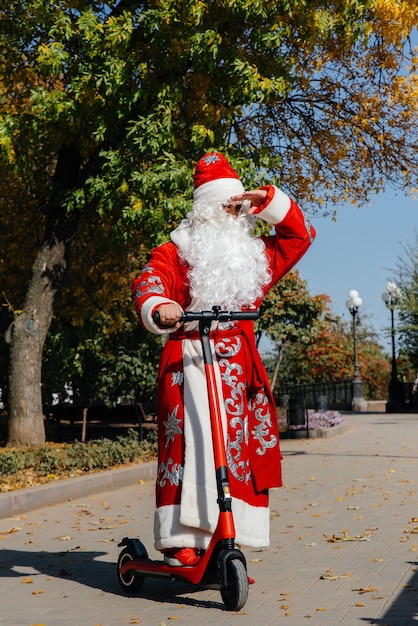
(105, 106)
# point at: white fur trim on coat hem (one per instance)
(252, 528)
(169, 533)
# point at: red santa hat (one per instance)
(215, 181)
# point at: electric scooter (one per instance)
(222, 565)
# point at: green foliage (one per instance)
(67, 458)
(141, 88)
(14, 461)
(105, 107)
(101, 364)
(289, 312)
(312, 345)
(328, 355)
(406, 310)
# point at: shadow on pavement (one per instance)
(84, 568)
(403, 610)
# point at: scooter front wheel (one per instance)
(128, 581)
(235, 593)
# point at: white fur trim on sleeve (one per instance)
(276, 210)
(146, 315)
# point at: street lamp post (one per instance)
(358, 403)
(396, 400)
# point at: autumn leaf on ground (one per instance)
(345, 536)
(13, 529)
(332, 577)
(64, 538)
(27, 581)
(368, 589)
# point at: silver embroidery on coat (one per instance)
(174, 477)
(176, 378)
(226, 348)
(234, 407)
(235, 404)
(261, 432)
(238, 468)
(172, 427)
(152, 285)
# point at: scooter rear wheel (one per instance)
(128, 582)
(235, 593)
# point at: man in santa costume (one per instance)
(213, 259)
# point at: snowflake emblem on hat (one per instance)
(211, 158)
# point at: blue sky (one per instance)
(360, 251)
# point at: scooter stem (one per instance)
(224, 492)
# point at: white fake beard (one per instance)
(228, 267)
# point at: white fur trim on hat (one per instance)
(217, 191)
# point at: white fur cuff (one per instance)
(146, 315)
(277, 208)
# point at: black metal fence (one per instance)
(335, 396)
(410, 398)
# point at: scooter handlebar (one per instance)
(215, 314)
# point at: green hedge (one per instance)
(97, 454)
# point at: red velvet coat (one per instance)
(186, 491)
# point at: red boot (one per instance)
(176, 557)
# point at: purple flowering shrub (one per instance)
(317, 419)
(324, 419)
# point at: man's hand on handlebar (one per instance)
(170, 314)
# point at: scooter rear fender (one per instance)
(135, 546)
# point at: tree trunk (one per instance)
(276, 369)
(26, 336)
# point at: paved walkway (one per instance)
(344, 543)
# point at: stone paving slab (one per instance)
(344, 542)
